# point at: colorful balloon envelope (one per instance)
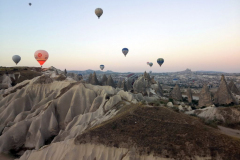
(98, 12)
(150, 64)
(16, 59)
(41, 56)
(160, 61)
(125, 51)
(102, 67)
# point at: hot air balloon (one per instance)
(29, 4)
(147, 63)
(102, 67)
(98, 12)
(160, 61)
(41, 56)
(150, 64)
(16, 59)
(150, 71)
(125, 51)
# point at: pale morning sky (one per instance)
(195, 34)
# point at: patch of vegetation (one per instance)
(170, 100)
(195, 102)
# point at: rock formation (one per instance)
(125, 86)
(110, 81)
(223, 94)
(146, 76)
(93, 79)
(104, 80)
(129, 84)
(189, 95)
(76, 120)
(119, 84)
(176, 93)
(233, 88)
(141, 85)
(205, 97)
(65, 72)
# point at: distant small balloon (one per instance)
(150, 64)
(41, 56)
(125, 51)
(102, 67)
(147, 63)
(160, 61)
(98, 12)
(30, 4)
(16, 59)
(150, 71)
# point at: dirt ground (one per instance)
(5, 157)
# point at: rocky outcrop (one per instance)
(93, 79)
(176, 93)
(157, 88)
(125, 86)
(74, 76)
(146, 76)
(142, 85)
(110, 81)
(119, 84)
(223, 94)
(104, 80)
(189, 95)
(129, 84)
(153, 80)
(233, 88)
(205, 97)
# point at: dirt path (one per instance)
(229, 131)
(5, 157)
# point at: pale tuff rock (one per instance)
(141, 85)
(205, 97)
(6, 82)
(176, 93)
(180, 108)
(104, 80)
(112, 101)
(96, 103)
(223, 94)
(233, 88)
(70, 151)
(146, 76)
(169, 104)
(153, 80)
(225, 114)
(119, 84)
(157, 88)
(110, 81)
(189, 95)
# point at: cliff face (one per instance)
(205, 98)
(176, 93)
(223, 94)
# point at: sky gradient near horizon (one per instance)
(200, 35)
